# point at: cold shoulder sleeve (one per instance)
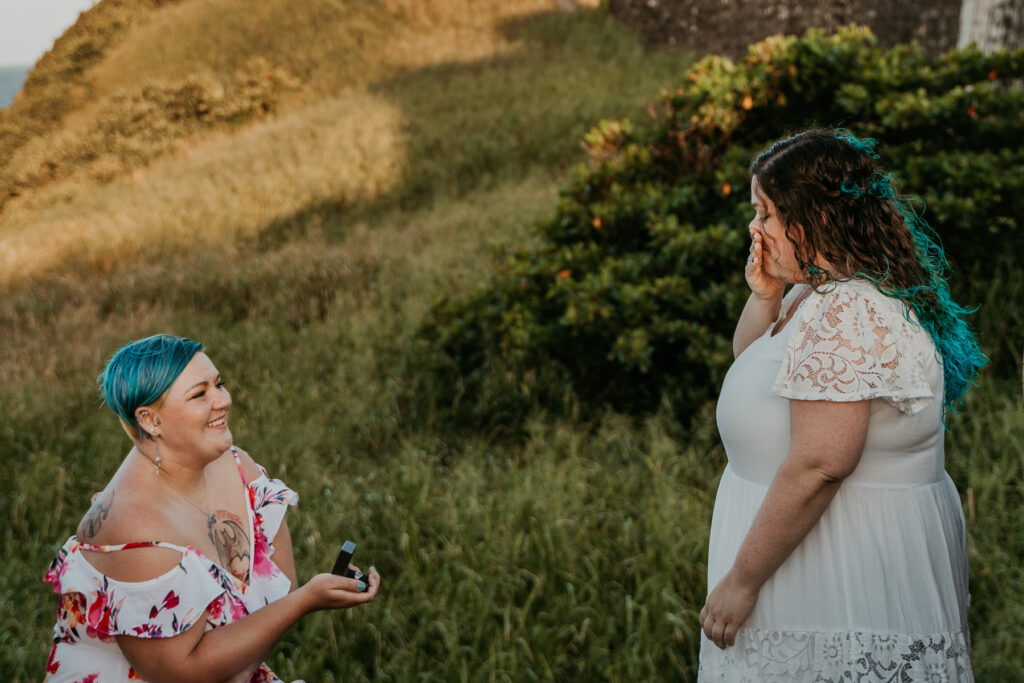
(853, 343)
(97, 606)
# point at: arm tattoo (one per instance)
(232, 545)
(96, 515)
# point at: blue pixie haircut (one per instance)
(141, 371)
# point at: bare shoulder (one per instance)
(249, 466)
(122, 514)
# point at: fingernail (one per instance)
(361, 586)
(373, 569)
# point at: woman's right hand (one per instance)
(329, 591)
(763, 285)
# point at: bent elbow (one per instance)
(835, 471)
(832, 477)
(822, 471)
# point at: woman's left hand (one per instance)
(727, 607)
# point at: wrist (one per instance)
(304, 601)
(744, 580)
(773, 296)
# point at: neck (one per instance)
(181, 475)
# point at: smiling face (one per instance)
(194, 413)
(780, 259)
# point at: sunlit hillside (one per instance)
(296, 185)
(168, 122)
(298, 199)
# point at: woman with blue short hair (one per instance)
(182, 569)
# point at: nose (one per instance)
(223, 401)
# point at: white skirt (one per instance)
(877, 591)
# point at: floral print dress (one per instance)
(93, 608)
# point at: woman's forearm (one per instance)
(796, 500)
(758, 314)
(225, 650)
(219, 654)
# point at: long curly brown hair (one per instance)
(846, 220)
(853, 230)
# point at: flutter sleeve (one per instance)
(853, 343)
(93, 605)
(271, 498)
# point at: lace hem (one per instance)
(815, 657)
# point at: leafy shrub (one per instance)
(631, 295)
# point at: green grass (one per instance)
(576, 553)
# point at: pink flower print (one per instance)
(216, 608)
(148, 631)
(57, 569)
(98, 613)
(261, 564)
(237, 610)
(263, 675)
(98, 619)
(139, 544)
(91, 678)
(171, 601)
(52, 664)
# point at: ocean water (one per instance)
(11, 79)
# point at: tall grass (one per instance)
(575, 553)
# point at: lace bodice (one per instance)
(854, 343)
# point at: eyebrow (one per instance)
(203, 383)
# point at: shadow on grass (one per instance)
(475, 125)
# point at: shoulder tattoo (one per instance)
(96, 515)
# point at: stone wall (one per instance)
(729, 26)
(992, 24)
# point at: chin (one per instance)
(223, 441)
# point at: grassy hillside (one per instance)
(144, 95)
(405, 145)
(303, 246)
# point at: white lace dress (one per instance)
(877, 591)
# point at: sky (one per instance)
(29, 27)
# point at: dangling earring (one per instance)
(157, 459)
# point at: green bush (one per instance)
(633, 288)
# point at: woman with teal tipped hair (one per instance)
(182, 569)
(838, 546)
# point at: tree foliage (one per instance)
(631, 293)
